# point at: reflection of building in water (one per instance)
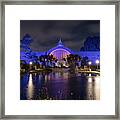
(57, 85)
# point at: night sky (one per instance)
(46, 33)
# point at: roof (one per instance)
(59, 46)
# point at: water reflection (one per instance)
(30, 88)
(59, 85)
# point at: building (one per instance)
(60, 52)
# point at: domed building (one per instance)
(60, 51)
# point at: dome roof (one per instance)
(60, 51)
(59, 46)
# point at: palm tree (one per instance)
(73, 59)
(84, 61)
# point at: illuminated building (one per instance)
(60, 51)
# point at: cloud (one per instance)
(45, 33)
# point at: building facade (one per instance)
(60, 52)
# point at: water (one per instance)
(59, 85)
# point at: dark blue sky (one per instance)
(46, 33)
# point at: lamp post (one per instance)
(89, 64)
(97, 62)
(30, 65)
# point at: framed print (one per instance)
(60, 59)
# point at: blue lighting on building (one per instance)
(90, 49)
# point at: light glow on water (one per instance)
(97, 87)
(89, 74)
(90, 80)
(60, 85)
(30, 87)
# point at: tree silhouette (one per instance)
(91, 44)
(84, 61)
(25, 46)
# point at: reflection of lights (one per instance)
(97, 87)
(97, 61)
(90, 80)
(30, 81)
(35, 74)
(89, 74)
(65, 75)
(49, 77)
(89, 62)
(30, 63)
(46, 78)
(97, 79)
(40, 77)
(30, 87)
